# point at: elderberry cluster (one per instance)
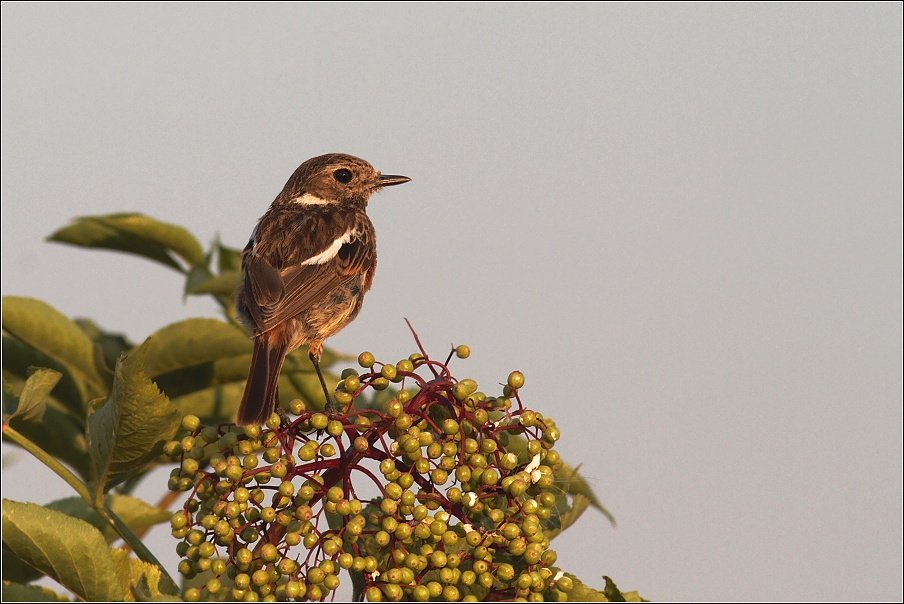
(466, 488)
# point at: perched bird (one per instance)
(307, 266)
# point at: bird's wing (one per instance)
(277, 295)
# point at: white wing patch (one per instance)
(330, 252)
(310, 200)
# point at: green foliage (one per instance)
(80, 562)
(98, 410)
(130, 428)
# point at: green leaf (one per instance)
(59, 433)
(33, 399)
(46, 329)
(213, 405)
(139, 580)
(582, 593)
(15, 570)
(568, 517)
(568, 479)
(193, 342)
(110, 345)
(19, 358)
(70, 551)
(79, 508)
(16, 592)
(229, 258)
(197, 275)
(134, 234)
(137, 514)
(223, 284)
(130, 429)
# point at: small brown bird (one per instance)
(308, 264)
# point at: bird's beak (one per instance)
(387, 180)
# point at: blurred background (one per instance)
(682, 223)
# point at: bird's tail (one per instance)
(259, 398)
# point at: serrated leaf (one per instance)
(16, 592)
(134, 234)
(33, 399)
(192, 342)
(139, 580)
(137, 514)
(46, 329)
(130, 429)
(16, 571)
(70, 551)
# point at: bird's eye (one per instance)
(342, 175)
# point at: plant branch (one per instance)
(48, 460)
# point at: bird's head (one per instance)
(336, 178)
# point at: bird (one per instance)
(308, 263)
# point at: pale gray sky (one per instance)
(682, 223)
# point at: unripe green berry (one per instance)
(516, 379)
(462, 351)
(179, 520)
(242, 580)
(227, 441)
(296, 407)
(366, 360)
(172, 449)
(191, 422)
(403, 532)
(463, 389)
(463, 473)
(438, 559)
(189, 466)
(274, 421)
(234, 473)
(382, 538)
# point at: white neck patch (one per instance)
(310, 200)
(330, 252)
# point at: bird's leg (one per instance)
(329, 408)
(283, 418)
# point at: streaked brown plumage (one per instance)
(307, 266)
